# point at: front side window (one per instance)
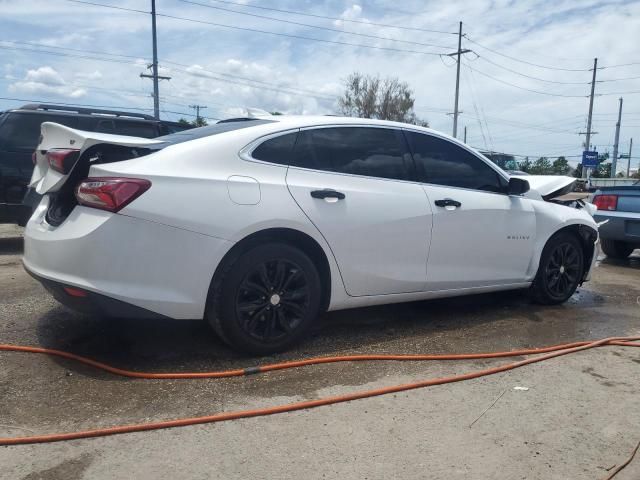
(442, 162)
(276, 150)
(372, 152)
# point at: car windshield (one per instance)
(209, 130)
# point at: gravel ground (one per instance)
(578, 418)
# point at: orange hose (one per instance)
(547, 353)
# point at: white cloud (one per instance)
(46, 81)
(351, 13)
(95, 75)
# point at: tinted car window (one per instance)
(374, 152)
(105, 126)
(136, 129)
(20, 131)
(441, 162)
(276, 150)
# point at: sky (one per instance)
(524, 84)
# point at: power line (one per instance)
(530, 76)
(290, 90)
(108, 6)
(523, 88)
(515, 59)
(82, 50)
(266, 32)
(315, 26)
(64, 54)
(621, 65)
(293, 90)
(325, 17)
(633, 92)
(265, 87)
(618, 79)
(299, 37)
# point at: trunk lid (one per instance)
(53, 135)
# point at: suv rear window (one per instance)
(20, 131)
(136, 129)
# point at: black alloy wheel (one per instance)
(560, 270)
(266, 299)
(563, 269)
(272, 300)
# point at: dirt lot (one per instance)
(578, 418)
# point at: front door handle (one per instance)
(448, 202)
(328, 194)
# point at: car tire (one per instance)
(266, 300)
(616, 248)
(560, 270)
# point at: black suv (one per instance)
(19, 132)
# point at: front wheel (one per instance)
(560, 271)
(267, 299)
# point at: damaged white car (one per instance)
(260, 225)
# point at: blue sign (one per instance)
(589, 159)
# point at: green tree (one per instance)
(368, 96)
(561, 166)
(541, 166)
(577, 173)
(525, 165)
(196, 122)
(603, 171)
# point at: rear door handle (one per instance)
(328, 194)
(447, 202)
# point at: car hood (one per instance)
(549, 186)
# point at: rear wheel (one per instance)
(560, 271)
(267, 299)
(616, 248)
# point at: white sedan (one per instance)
(260, 225)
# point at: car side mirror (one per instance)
(517, 186)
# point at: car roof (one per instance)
(46, 108)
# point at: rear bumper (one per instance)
(622, 226)
(144, 264)
(93, 303)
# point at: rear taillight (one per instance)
(62, 160)
(606, 202)
(34, 157)
(110, 193)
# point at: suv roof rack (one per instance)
(83, 110)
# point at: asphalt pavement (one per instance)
(572, 417)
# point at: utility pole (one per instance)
(593, 89)
(629, 157)
(154, 66)
(465, 134)
(458, 55)
(614, 160)
(197, 109)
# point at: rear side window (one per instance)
(136, 129)
(276, 150)
(372, 152)
(442, 162)
(20, 131)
